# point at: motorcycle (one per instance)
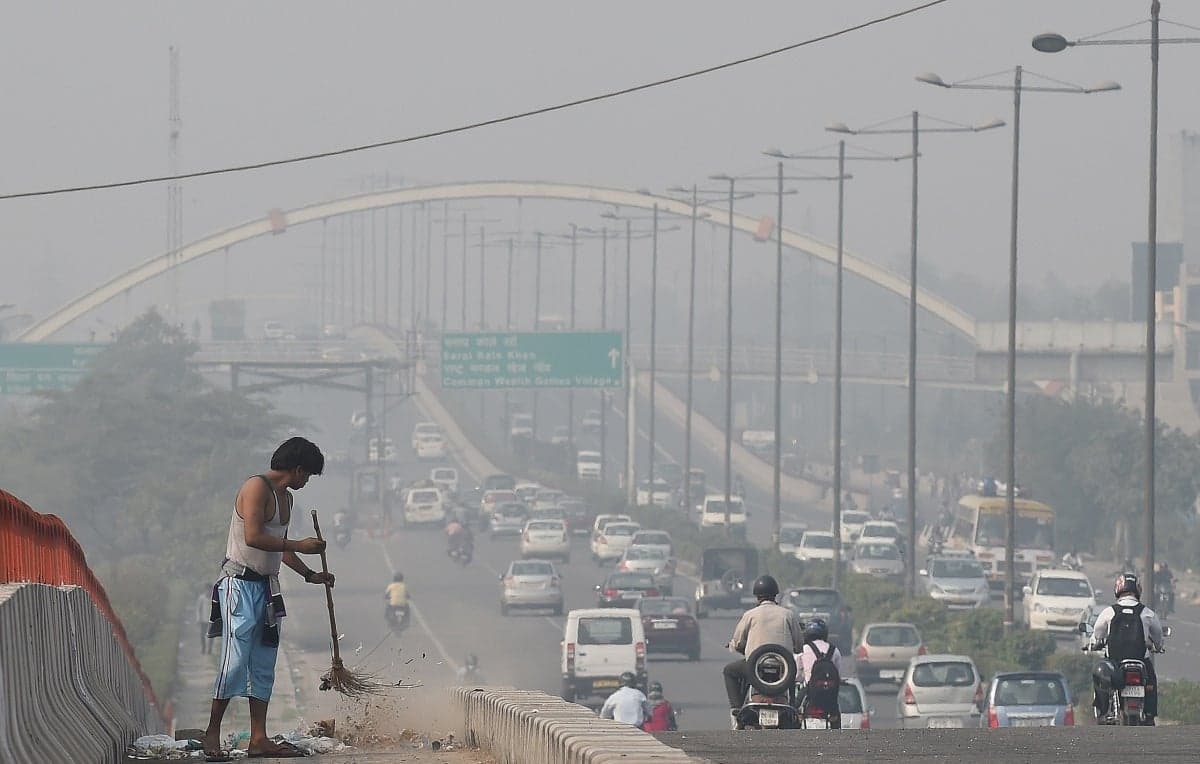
(1125, 682)
(396, 617)
(770, 700)
(462, 553)
(1164, 597)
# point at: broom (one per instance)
(339, 677)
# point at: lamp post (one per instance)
(1051, 42)
(728, 353)
(910, 564)
(1016, 88)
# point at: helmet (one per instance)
(398, 576)
(766, 588)
(628, 679)
(816, 629)
(655, 690)
(1127, 583)
(472, 661)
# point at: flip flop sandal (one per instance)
(285, 751)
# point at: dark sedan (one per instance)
(670, 626)
(625, 589)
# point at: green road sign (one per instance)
(30, 367)
(495, 360)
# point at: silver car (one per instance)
(531, 584)
(1028, 699)
(877, 558)
(653, 560)
(939, 692)
(956, 583)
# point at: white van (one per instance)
(712, 513)
(599, 644)
(424, 505)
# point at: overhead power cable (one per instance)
(480, 124)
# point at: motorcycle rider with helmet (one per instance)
(767, 623)
(1147, 628)
(469, 672)
(662, 713)
(396, 597)
(816, 646)
(627, 705)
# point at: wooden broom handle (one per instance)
(337, 658)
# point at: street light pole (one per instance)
(571, 391)
(729, 365)
(653, 345)
(910, 562)
(630, 401)
(462, 321)
(445, 260)
(776, 508)
(1151, 293)
(603, 326)
(691, 343)
(537, 316)
(1010, 403)
(837, 374)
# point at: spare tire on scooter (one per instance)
(771, 669)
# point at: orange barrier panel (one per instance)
(37, 548)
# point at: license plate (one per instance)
(891, 674)
(768, 718)
(1031, 723)
(604, 683)
(666, 625)
(945, 724)
(1133, 692)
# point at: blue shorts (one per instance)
(247, 667)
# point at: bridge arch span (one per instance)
(217, 242)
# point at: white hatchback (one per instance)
(546, 538)
(611, 543)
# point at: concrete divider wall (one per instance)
(67, 691)
(530, 726)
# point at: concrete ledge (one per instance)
(530, 726)
(67, 692)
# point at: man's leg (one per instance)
(212, 735)
(1100, 698)
(1152, 696)
(258, 726)
(735, 682)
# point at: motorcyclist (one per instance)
(765, 624)
(458, 535)
(1128, 591)
(627, 705)
(739, 486)
(1164, 584)
(1072, 560)
(816, 644)
(662, 713)
(396, 596)
(469, 671)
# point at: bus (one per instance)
(980, 528)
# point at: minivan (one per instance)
(712, 513)
(600, 644)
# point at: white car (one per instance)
(273, 330)
(547, 498)
(526, 490)
(445, 478)
(853, 521)
(546, 538)
(712, 513)
(431, 447)
(657, 494)
(789, 537)
(877, 558)
(1057, 600)
(520, 426)
(654, 539)
(424, 428)
(587, 465)
(815, 545)
(881, 530)
(611, 543)
(956, 583)
(653, 560)
(424, 506)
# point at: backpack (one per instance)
(824, 681)
(1126, 634)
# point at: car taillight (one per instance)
(640, 650)
(909, 698)
(1133, 677)
(570, 657)
(993, 718)
(860, 652)
(922, 651)
(865, 724)
(610, 593)
(623, 565)
(1069, 717)
(651, 593)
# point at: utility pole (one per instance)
(174, 188)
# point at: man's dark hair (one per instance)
(298, 452)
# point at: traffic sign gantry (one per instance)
(494, 360)
(30, 367)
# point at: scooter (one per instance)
(770, 701)
(462, 553)
(396, 617)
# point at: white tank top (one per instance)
(258, 560)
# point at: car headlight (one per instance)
(1039, 607)
(935, 589)
(658, 571)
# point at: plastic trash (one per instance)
(162, 747)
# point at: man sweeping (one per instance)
(247, 600)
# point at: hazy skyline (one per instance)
(87, 101)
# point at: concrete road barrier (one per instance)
(526, 725)
(67, 690)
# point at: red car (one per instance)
(670, 626)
